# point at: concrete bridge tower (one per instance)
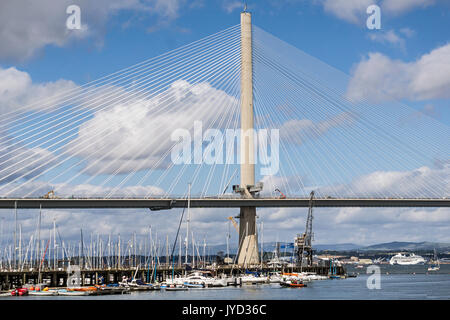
(248, 241)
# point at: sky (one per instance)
(408, 59)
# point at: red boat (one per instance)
(293, 284)
(297, 285)
(19, 292)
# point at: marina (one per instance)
(229, 282)
(399, 285)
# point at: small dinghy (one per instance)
(292, 284)
(73, 293)
(43, 293)
(194, 285)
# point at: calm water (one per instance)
(400, 283)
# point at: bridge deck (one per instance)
(159, 204)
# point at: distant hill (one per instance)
(409, 246)
(270, 246)
(389, 246)
(337, 247)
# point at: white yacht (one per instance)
(253, 278)
(403, 259)
(199, 277)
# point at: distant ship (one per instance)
(406, 260)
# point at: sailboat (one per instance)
(171, 284)
(434, 267)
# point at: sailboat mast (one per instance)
(20, 246)
(167, 250)
(82, 249)
(118, 255)
(187, 224)
(193, 250)
(228, 240)
(262, 243)
(179, 252)
(15, 235)
(204, 252)
(54, 244)
(39, 236)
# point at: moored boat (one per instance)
(65, 292)
(194, 285)
(434, 266)
(43, 293)
(173, 287)
(292, 284)
(20, 292)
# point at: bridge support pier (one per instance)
(248, 238)
(248, 242)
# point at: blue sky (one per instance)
(121, 33)
(126, 38)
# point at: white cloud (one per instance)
(230, 6)
(289, 185)
(421, 182)
(387, 37)
(330, 225)
(28, 26)
(408, 32)
(19, 93)
(137, 134)
(39, 188)
(358, 216)
(402, 6)
(17, 161)
(380, 78)
(299, 130)
(353, 11)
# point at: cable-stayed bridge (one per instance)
(220, 115)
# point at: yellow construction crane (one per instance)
(236, 226)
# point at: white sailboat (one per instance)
(433, 266)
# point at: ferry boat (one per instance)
(405, 260)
